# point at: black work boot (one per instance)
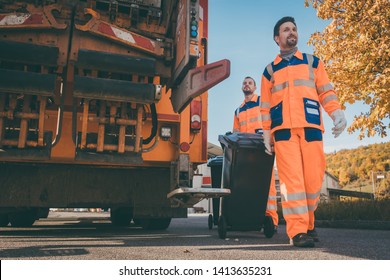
(302, 240)
(313, 234)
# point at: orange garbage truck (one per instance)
(103, 104)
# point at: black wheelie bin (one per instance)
(215, 165)
(247, 171)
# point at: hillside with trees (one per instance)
(354, 168)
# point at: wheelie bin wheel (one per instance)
(222, 227)
(210, 221)
(268, 227)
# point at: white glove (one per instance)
(339, 122)
(268, 141)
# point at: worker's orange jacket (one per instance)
(292, 93)
(247, 117)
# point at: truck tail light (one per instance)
(196, 115)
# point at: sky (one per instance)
(242, 31)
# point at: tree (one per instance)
(355, 48)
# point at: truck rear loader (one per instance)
(103, 104)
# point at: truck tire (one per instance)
(23, 218)
(121, 216)
(4, 221)
(43, 212)
(154, 223)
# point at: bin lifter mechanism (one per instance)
(188, 197)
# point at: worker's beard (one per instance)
(292, 41)
(247, 92)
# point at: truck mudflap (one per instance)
(188, 197)
(197, 81)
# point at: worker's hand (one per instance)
(339, 122)
(268, 143)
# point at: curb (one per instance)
(350, 224)
(358, 224)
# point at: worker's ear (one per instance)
(276, 39)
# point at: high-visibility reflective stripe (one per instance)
(307, 83)
(329, 98)
(272, 197)
(294, 196)
(313, 207)
(255, 119)
(310, 60)
(251, 120)
(266, 117)
(271, 207)
(295, 210)
(265, 105)
(279, 87)
(312, 195)
(270, 72)
(299, 196)
(324, 88)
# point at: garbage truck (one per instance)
(103, 104)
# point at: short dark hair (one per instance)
(249, 77)
(280, 22)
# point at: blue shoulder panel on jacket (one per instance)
(266, 74)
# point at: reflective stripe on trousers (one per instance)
(272, 203)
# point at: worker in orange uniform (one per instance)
(294, 88)
(247, 118)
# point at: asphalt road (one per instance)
(90, 236)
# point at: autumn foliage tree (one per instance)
(355, 47)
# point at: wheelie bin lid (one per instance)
(215, 161)
(241, 140)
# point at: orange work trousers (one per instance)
(301, 165)
(272, 203)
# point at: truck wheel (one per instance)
(24, 218)
(121, 216)
(154, 223)
(268, 227)
(4, 221)
(222, 227)
(43, 212)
